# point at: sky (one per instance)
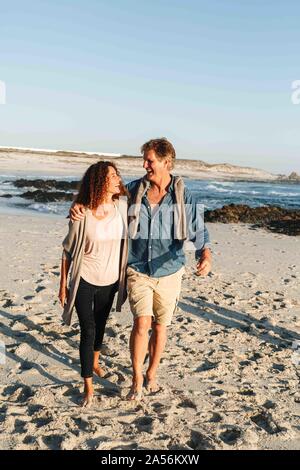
(214, 77)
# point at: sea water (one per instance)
(211, 193)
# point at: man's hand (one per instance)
(204, 264)
(77, 212)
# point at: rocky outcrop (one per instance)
(292, 178)
(47, 196)
(273, 218)
(46, 184)
(66, 190)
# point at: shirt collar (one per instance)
(169, 190)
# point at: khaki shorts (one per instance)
(154, 296)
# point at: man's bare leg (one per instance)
(138, 350)
(157, 345)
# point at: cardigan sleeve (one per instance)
(69, 242)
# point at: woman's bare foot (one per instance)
(88, 393)
(87, 400)
(99, 371)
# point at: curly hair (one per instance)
(162, 148)
(93, 185)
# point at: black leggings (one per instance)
(93, 305)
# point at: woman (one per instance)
(96, 250)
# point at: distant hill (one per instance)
(65, 160)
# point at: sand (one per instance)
(229, 376)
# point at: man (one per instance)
(162, 215)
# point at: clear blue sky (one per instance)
(212, 76)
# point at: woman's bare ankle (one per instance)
(88, 387)
(98, 370)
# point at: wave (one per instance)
(215, 188)
(232, 191)
(224, 183)
(280, 193)
(8, 176)
(45, 208)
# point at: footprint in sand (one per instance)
(217, 393)
(33, 299)
(265, 421)
(18, 393)
(145, 424)
(40, 288)
(215, 418)
(111, 332)
(8, 303)
(200, 440)
(27, 365)
(231, 435)
(207, 365)
(187, 403)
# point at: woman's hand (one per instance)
(63, 295)
(77, 212)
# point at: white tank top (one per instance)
(101, 258)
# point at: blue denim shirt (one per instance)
(156, 252)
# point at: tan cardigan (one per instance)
(73, 250)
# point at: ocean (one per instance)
(211, 193)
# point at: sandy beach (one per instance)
(229, 376)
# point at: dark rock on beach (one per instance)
(272, 218)
(47, 184)
(47, 190)
(47, 196)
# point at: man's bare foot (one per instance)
(99, 371)
(151, 384)
(135, 392)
